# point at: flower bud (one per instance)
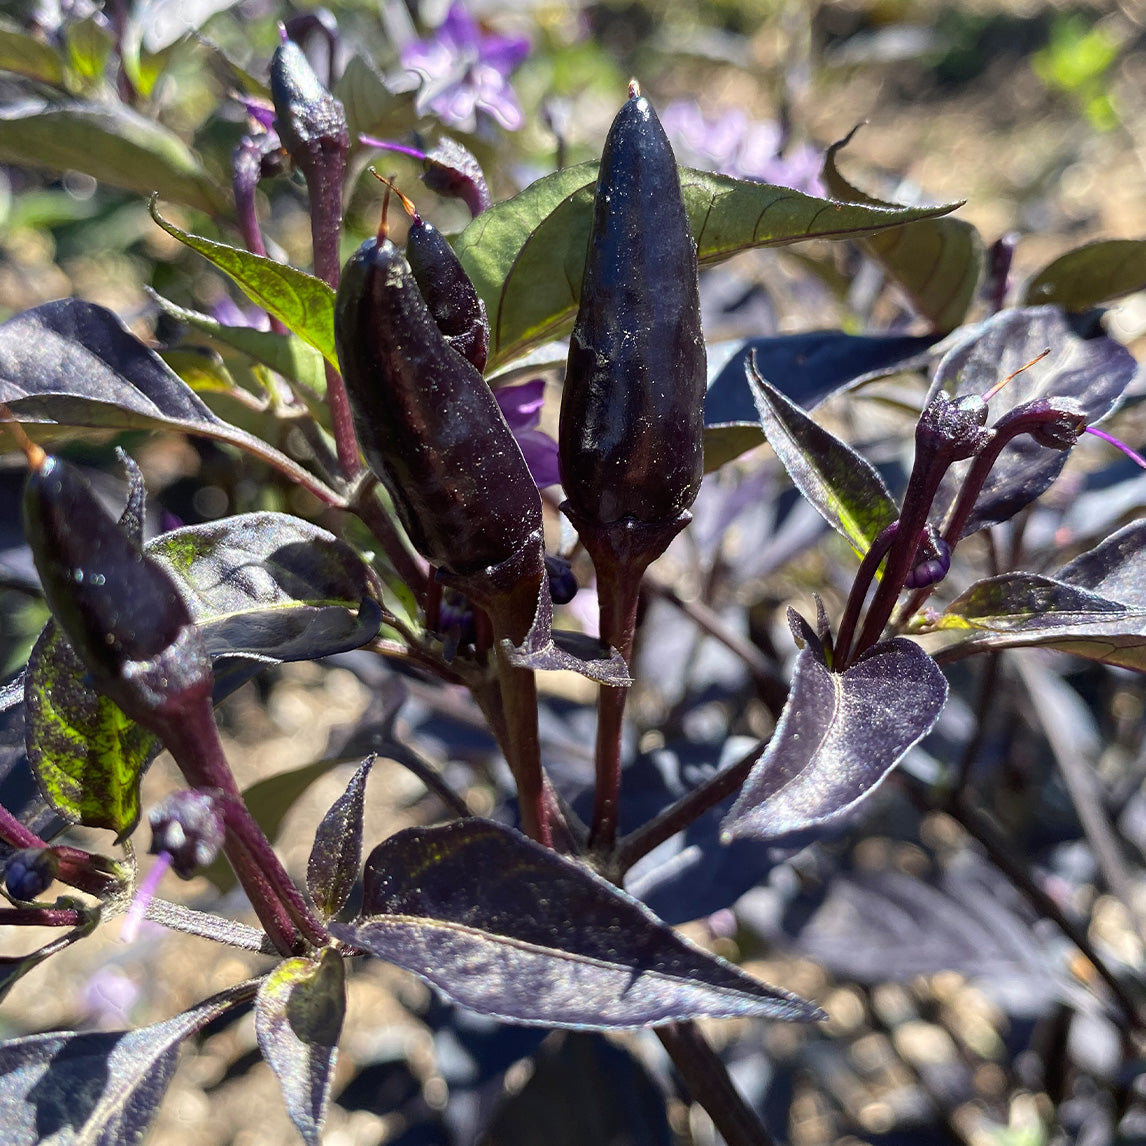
(953, 428)
(30, 872)
(188, 825)
(310, 122)
(632, 419)
(932, 561)
(1054, 422)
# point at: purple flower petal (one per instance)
(540, 453)
(521, 404)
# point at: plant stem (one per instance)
(193, 740)
(707, 1081)
(75, 865)
(42, 917)
(522, 747)
(860, 585)
(676, 817)
(618, 594)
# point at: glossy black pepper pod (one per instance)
(448, 291)
(632, 411)
(431, 428)
(118, 607)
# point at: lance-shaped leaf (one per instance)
(843, 486)
(97, 1088)
(1091, 274)
(286, 354)
(337, 851)
(72, 363)
(263, 587)
(1094, 607)
(1092, 371)
(526, 256)
(28, 56)
(304, 304)
(111, 143)
(298, 1020)
(509, 928)
(937, 262)
(838, 738)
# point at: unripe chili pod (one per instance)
(118, 607)
(632, 422)
(429, 425)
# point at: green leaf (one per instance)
(111, 143)
(298, 1020)
(28, 56)
(286, 354)
(526, 255)
(86, 755)
(936, 261)
(304, 304)
(1091, 274)
(843, 486)
(89, 44)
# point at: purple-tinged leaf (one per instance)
(134, 510)
(27, 55)
(337, 850)
(72, 363)
(844, 487)
(583, 1090)
(97, 1088)
(1091, 274)
(937, 262)
(1093, 371)
(509, 928)
(838, 738)
(1115, 568)
(298, 1020)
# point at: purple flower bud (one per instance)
(30, 872)
(933, 560)
(310, 122)
(188, 825)
(1055, 422)
(562, 583)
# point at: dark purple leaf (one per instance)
(98, 1088)
(1091, 274)
(337, 850)
(843, 486)
(584, 1090)
(1115, 569)
(887, 925)
(298, 1020)
(72, 363)
(1093, 371)
(937, 262)
(509, 928)
(838, 738)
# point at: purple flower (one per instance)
(465, 71)
(745, 148)
(521, 406)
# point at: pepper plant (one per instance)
(400, 391)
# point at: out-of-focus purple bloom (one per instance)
(465, 71)
(521, 407)
(736, 145)
(108, 998)
(225, 310)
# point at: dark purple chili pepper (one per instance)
(431, 428)
(447, 289)
(632, 409)
(118, 607)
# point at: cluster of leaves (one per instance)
(720, 817)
